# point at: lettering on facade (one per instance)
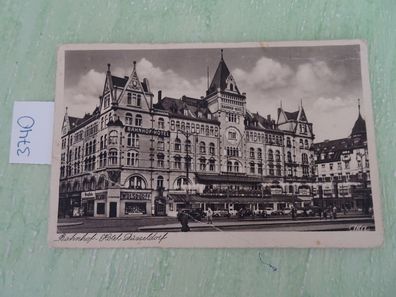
(87, 195)
(135, 196)
(147, 131)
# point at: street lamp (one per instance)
(187, 134)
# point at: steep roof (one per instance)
(291, 115)
(121, 81)
(197, 108)
(255, 120)
(219, 80)
(359, 127)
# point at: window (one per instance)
(289, 157)
(236, 166)
(259, 153)
(277, 156)
(128, 119)
(136, 182)
(177, 162)
(211, 148)
(129, 98)
(138, 120)
(177, 145)
(202, 164)
(160, 182)
(301, 143)
(202, 147)
(188, 145)
(288, 142)
(339, 166)
(181, 181)
(172, 125)
(270, 156)
(160, 158)
(132, 159)
(252, 167)
(232, 135)
(251, 153)
(160, 144)
(331, 166)
(177, 125)
(260, 168)
(304, 158)
(161, 123)
(100, 208)
(306, 144)
(279, 171)
(113, 157)
(139, 100)
(113, 137)
(229, 166)
(133, 140)
(211, 165)
(271, 171)
(347, 164)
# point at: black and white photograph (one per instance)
(214, 145)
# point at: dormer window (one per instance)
(231, 87)
(185, 112)
(199, 114)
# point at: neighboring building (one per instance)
(131, 156)
(343, 171)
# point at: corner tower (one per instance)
(228, 105)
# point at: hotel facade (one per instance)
(132, 155)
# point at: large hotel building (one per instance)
(135, 154)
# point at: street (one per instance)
(171, 224)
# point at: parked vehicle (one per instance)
(233, 212)
(221, 213)
(278, 212)
(268, 211)
(287, 211)
(193, 214)
(258, 212)
(244, 213)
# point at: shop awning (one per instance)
(201, 199)
(226, 178)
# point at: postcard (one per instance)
(222, 145)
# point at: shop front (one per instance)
(88, 203)
(134, 203)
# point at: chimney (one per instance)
(269, 117)
(159, 95)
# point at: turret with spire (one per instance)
(359, 128)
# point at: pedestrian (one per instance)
(210, 216)
(184, 222)
(320, 213)
(334, 212)
(325, 214)
(293, 213)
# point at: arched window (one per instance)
(306, 144)
(188, 145)
(259, 153)
(160, 158)
(277, 156)
(229, 166)
(304, 158)
(236, 166)
(132, 158)
(202, 147)
(138, 120)
(136, 182)
(160, 182)
(270, 155)
(113, 137)
(288, 142)
(113, 157)
(251, 153)
(211, 148)
(177, 145)
(180, 182)
(101, 142)
(128, 119)
(301, 143)
(161, 123)
(177, 162)
(133, 140)
(289, 157)
(202, 164)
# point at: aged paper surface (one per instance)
(214, 145)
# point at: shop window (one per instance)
(100, 208)
(132, 208)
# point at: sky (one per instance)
(326, 79)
